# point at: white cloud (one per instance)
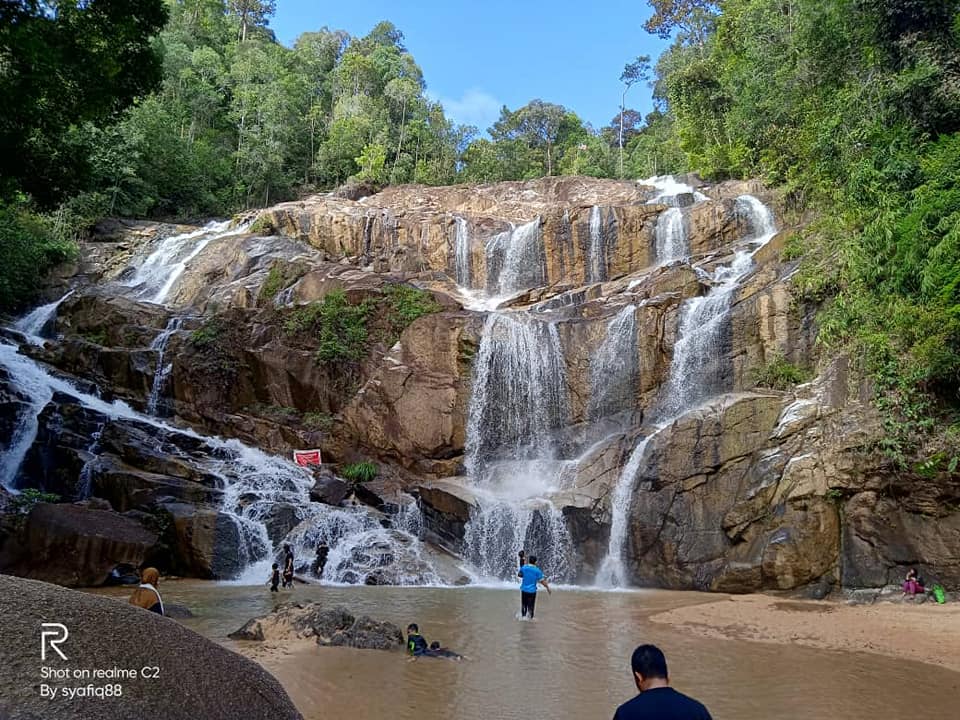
(475, 107)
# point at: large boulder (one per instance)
(206, 542)
(195, 678)
(76, 545)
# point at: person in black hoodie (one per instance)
(657, 700)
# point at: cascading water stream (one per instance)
(696, 371)
(461, 253)
(670, 190)
(671, 236)
(33, 324)
(523, 259)
(253, 483)
(162, 372)
(159, 272)
(614, 368)
(596, 257)
(512, 456)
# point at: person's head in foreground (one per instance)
(412, 629)
(532, 560)
(657, 700)
(649, 667)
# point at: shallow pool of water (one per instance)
(572, 662)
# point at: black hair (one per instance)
(434, 645)
(413, 626)
(275, 566)
(532, 559)
(648, 661)
(286, 546)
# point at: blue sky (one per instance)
(477, 56)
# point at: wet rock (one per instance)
(280, 519)
(334, 626)
(329, 489)
(206, 543)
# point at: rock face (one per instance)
(76, 545)
(334, 626)
(740, 488)
(196, 678)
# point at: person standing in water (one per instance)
(287, 566)
(530, 575)
(275, 579)
(320, 562)
(657, 700)
(147, 596)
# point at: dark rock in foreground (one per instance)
(334, 626)
(196, 678)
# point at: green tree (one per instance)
(66, 63)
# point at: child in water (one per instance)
(275, 579)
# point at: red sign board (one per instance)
(307, 457)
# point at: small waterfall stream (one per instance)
(158, 273)
(671, 235)
(162, 372)
(695, 374)
(461, 253)
(35, 323)
(614, 367)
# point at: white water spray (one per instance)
(33, 323)
(161, 270)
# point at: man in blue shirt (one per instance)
(529, 576)
(657, 700)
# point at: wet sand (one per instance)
(927, 632)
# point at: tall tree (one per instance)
(252, 13)
(633, 72)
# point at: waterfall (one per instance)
(597, 255)
(522, 258)
(614, 367)
(34, 323)
(499, 528)
(157, 275)
(162, 372)
(85, 481)
(696, 369)
(519, 401)
(671, 236)
(519, 392)
(253, 483)
(461, 253)
(612, 572)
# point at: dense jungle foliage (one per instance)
(188, 108)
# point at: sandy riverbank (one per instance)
(928, 633)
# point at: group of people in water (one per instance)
(656, 700)
(286, 576)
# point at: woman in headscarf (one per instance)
(147, 596)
